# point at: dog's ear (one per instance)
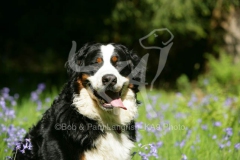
(76, 60)
(134, 76)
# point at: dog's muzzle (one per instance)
(109, 98)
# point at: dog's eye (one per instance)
(114, 60)
(99, 60)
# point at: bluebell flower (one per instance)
(192, 100)
(48, 100)
(179, 94)
(217, 124)
(237, 146)
(214, 136)
(184, 157)
(182, 143)
(139, 125)
(204, 127)
(153, 150)
(24, 146)
(143, 155)
(221, 146)
(229, 132)
(159, 144)
(228, 143)
(41, 87)
(34, 96)
(228, 102)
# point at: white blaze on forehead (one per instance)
(107, 52)
(107, 68)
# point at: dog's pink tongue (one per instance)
(118, 103)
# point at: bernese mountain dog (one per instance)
(93, 116)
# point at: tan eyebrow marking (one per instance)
(81, 81)
(114, 59)
(99, 60)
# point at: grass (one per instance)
(197, 130)
(199, 121)
(170, 125)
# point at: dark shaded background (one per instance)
(36, 37)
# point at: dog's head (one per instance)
(105, 71)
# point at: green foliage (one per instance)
(183, 83)
(223, 73)
(180, 17)
(200, 121)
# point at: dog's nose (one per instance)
(109, 79)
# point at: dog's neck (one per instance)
(89, 108)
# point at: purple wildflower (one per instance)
(6, 90)
(180, 115)
(153, 150)
(34, 96)
(159, 144)
(217, 124)
(199, 120)
(41, 87)
(154, 99)
(48, 100)
(192, 100)
(139, 125)
(24, 146)
(143, 155)
(182, 143)
(229, 132)
(14, 134)
(6, 112)
(221, 146)
(204, 127)
(237, 146)
(228, 102)
(39, 105)
(179, 94)
(214, 136)
(228, 143)
(138, 137)
(151, 115)
(184, 157)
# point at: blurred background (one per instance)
(36, 37)
(198, 87)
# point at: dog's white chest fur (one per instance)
(112, 146)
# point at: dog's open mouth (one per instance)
(109, 99)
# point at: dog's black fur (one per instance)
(51, 144)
